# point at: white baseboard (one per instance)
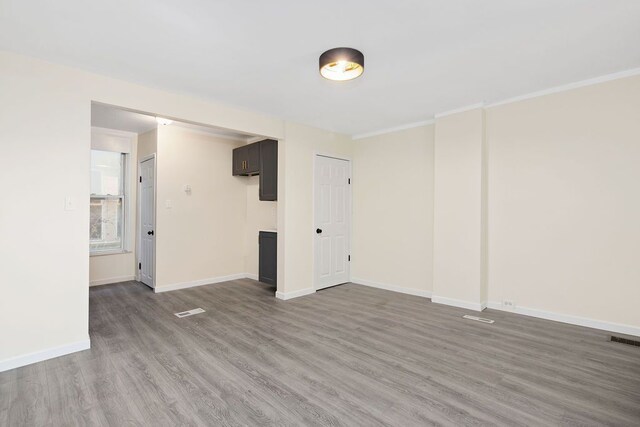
(111, 280)
(567, 318)
(251, 276)
(194, 283)
(469, 305)
(39, 356)
(294, 294)
(386, 287)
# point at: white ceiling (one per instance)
(422, 57)
(106, 116)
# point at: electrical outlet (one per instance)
(508, 304)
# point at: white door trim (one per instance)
(349, 214)
(139, 213)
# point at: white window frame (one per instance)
(123, 197)
(122, 142)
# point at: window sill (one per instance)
(115, 252)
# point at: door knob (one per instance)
(150, 233)
(318, 230)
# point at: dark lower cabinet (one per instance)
(268, 257)
(259, 158)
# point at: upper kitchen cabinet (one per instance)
(269, 169)
(240, 156)
(246, 160)
(259, 158)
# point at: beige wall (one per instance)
(393, 210)
(564, 202)
(147, 143)
(459, 140)
(46, 143)
(179, 158)
(563, 205)
(44, 259)
(202, 235)
(297, 153)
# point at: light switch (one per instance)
(69, 204)
(168, 204)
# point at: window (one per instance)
(108, 201)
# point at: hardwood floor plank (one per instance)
(349, 355)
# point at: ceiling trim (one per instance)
(459, 110)
(575, 85)
(392, 129)
(556, 89)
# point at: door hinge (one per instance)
(139, 266)
(349, 180)
(349, 257)
(140, 179)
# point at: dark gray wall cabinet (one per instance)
(268, 258)
(259, 158)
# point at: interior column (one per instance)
(460, 177)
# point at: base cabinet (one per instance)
(268, 258)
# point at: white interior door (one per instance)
(332, 213)
(146, 257)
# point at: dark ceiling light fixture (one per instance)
(341, 63)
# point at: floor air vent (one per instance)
(625, 341)
(190, 312)
(478, 319)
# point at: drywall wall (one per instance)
(52, 119)
(147, 143)
(393, 210)
(564, 202)
(114, 268)
(201, 234)
(459, 151)
(261, 215)
(295, 180)
(44, 259)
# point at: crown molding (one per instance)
(575, 85)
(459, 110)
(392, 129)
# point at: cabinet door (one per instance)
(268, 258)
(253, 158)
(240, 155)
(269, 170)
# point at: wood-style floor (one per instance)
(348, 355)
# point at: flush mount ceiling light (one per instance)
(163, 122)
(341, 63)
